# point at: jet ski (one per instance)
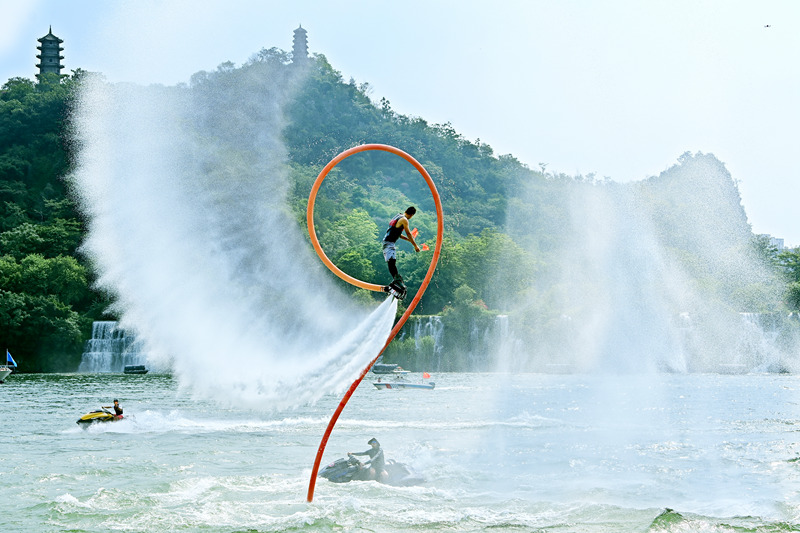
(351, 469)
(98, 416)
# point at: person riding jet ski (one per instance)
(102, 415)
(376, 462)
(391, 472)
(117, 408)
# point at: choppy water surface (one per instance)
(500, 452)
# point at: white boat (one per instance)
(383, 368)
(6, 370)
(388, 368)
(384, 385)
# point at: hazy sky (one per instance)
(617, 88)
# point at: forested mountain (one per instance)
(526, 243)
(46, 302)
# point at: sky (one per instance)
(616, 88)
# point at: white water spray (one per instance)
(644, 277)
(185, 192)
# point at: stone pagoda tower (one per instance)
(300, 47)
(50, 54)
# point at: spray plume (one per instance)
(184, 189)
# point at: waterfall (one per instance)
(508, 351)
(490, 344)
(481, 337)
(758, 344)
(429, 326)
(110, 349)
(428, 332)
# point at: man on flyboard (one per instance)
(397, 227)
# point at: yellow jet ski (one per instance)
(98, 416)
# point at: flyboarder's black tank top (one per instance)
(394, 231)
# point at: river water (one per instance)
(530, 452)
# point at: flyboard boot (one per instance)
(396, 288)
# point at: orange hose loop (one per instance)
(364, 285)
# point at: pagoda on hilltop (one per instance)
(300, 47)
(50, 54)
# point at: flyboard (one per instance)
(398, 290)
(363, 284)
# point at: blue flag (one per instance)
(10, 359)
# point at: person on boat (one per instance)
(117, 408)
(397, 227)
(376, 462)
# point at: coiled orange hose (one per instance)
(364, 285)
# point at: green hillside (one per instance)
(510, 231)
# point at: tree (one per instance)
(793, 296)
(765, 250)
(789, 263)
(353, 262)
(505, 225)
(35, 308)
(46, 302)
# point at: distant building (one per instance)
(50, 54)
(300, 47)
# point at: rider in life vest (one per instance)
(397, 226)
(117, 408)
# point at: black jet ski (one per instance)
(351, 469)
(98, 416)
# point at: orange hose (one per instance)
(364, 285)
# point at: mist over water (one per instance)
(184, 189)
(615, 266)
(654, 276)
